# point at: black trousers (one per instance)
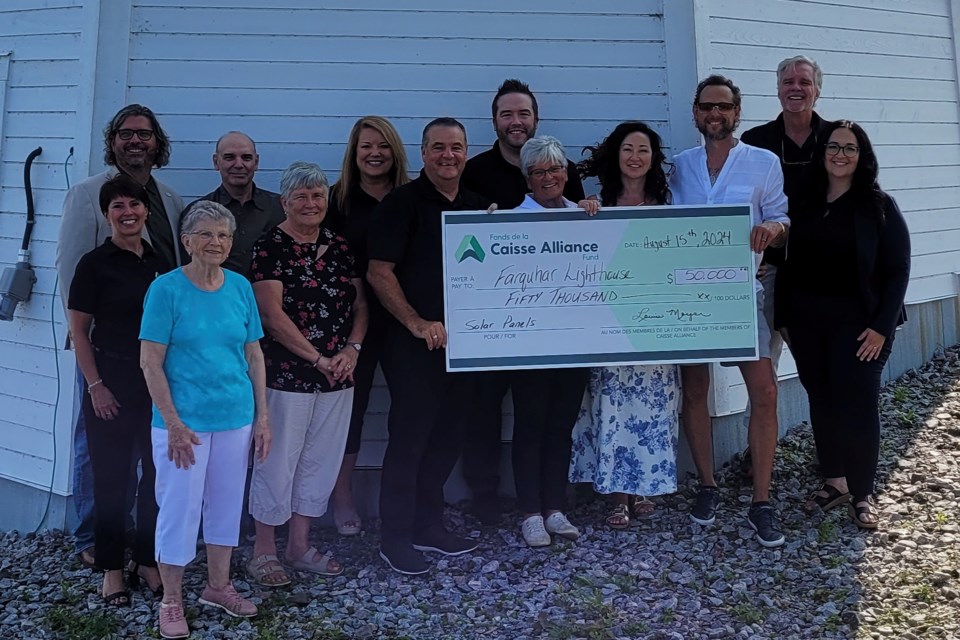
(546, 403)
(370, 357)
(425, 425)
(114, 446)
(482, 439)
(844, 392)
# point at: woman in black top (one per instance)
(839, 301)
(107, 293)
(374, 163)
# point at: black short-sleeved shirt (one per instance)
(317, 297)
(406, 229)
(354, 225)
(796, 162)
(254, 218)
(110, 284)
(490, 175)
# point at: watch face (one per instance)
(356, 345)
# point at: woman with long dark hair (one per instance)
(625, 441)
(839, 300)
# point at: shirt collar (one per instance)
(430, 192)
(113, 249)
(258, 197)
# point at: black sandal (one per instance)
(134, 579)
(833, 498)
(119, 599)
(867, 508)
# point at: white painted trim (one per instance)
(955, 20)
(684, 21)
(110, 66)
(5, 57)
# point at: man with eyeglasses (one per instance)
(134, 144)
(793, 136)
(256, 210)
(496, 175)
(726, 171)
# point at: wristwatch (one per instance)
(355, 345)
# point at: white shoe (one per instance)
(558, 524)
(533, 532)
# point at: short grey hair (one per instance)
(206, 210)
(540, 149)
(301, 175)
(790, 63)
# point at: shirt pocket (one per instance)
(739, 195)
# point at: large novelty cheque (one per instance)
(634, 285)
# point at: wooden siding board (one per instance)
(40, 21)
(25, 468)
(921, 7)
(614, 7)
(28, 359)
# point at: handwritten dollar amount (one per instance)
(709, 275)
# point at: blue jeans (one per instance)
(82, 477)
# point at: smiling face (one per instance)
(515, 122)
(547, 180)
(721, 120)
(374, 154)
(636, 155)
(209, 243)
(797, 89)
(236, 159)
(306, 207)
(126, 217)
(842, 164)
(444, 154)
(134, 154)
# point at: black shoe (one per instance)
(486, 508)
(705, 506)
(404, 559)
(442, 541)
(763, 519)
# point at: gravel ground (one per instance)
(663, 578)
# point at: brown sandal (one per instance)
(619, 517)
(861, 507)
(641, 507)
(262, 568)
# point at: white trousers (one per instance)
(212, 487)
(309, 437)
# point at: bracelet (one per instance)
(93, 384)
(317, 361)
(783, 227)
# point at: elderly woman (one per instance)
(545, 401)
(107, 294)
(312, 306)
(374, 163)
(625, 441)
(201, 357)
(839, 300)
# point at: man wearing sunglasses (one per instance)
(134, 144)
(726, 171)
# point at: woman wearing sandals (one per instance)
(839, 301)
(625, 441)
(373, 164)
(107, 294)
(315, 316)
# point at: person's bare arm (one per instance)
(345, 361)
(180, 438)
(383, 279)
(256, 370)
(105, 405)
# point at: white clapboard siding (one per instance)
(40, 103)
(296, 77)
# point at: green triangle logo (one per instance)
(470, 248)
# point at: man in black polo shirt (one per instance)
(496, 175)
(255, 210)
(793, 136)
(406, 272)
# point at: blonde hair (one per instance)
(350, 173)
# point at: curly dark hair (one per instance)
(110, 132)
(864, 183)
(604, 163)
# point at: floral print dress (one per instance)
(625, 439)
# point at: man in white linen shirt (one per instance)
(724, 170)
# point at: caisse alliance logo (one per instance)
(470, 248)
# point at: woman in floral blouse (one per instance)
(315, 316)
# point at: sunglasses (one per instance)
(722, 107)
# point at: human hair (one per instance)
(350, 173)
(604, 164)
(110, 131)
(791, 63)
(206, 210)
(540, 149)
(512, 85)
(864, 183)
(716, 80)
(122, 186)
(301, 175)
(441, 122)
(253, 144)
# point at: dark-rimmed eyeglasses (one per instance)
(849, 150)
(722, 107)
(127, 134)
(553, 171)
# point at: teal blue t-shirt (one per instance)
(205, 333)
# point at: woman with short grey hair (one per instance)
(315, 315)
(210, 211)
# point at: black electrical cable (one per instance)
(31, 218)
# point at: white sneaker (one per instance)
(558, 524)
(533, 532)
